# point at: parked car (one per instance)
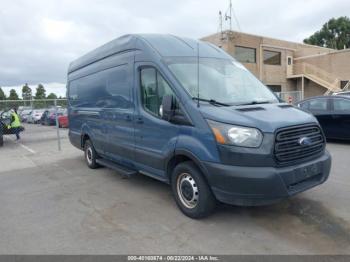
(25, 114)
(333, 114)
(49, 116)
(63, 119)
(186, 113)
(35, 116)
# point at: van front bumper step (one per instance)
(252, 186)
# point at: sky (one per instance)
(39, 38)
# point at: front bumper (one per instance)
(250, 186)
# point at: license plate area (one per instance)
(305, 176)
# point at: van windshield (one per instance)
(221, 80)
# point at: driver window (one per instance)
(153, 88)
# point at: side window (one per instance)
(117, 83)
(318, 104)
(304, 105)
(117, 88)
(105, 89)
(341, 105)
(153, 89)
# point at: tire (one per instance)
(191, 191)
(90, 155)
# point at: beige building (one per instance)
(287, 66)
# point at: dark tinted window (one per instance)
(318, 104)
(304, 105)
(153, 88)
(341, 105)
(245, 54)
(107, 89)
(275, 88)
(272, 57)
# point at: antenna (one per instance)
(197, 73)
(228, 16)
(220, 23)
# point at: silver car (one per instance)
(35, 116)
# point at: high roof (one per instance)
(163, 45)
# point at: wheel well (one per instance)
(84, 138)
(177, 159)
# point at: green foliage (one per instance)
(40, 92)
(52, 96)
(26, 92)
(13, 95)
(2, 95)
(334, 34)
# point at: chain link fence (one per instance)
(32, 104)
(291, 97)
(34, 110)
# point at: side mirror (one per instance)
(167, 109)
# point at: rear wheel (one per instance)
(90, 155)
(191, 191)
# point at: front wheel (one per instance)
(90, 155)
(191, 191)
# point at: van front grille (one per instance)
(296, 143)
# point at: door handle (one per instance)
(139, 120)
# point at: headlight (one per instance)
(236, 135)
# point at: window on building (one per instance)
(343, 83)
(272, 57)
(341, 104)
(275, 88)
(153, 89)
(245, 54)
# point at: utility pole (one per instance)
(220, 25)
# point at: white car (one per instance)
(35, 116)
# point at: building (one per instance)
(296, 69)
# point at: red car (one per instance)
(63, 120)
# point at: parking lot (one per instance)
(52, 203)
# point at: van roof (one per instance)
(162, 44)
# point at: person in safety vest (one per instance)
(15, 123)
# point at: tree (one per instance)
(52, 96)
(334, 34)
(13, 95)
(2, 94)
(26, 92)
(40, 92)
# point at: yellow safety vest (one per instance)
(16, 122)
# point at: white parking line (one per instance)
(25, 147)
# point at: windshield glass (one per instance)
(225, 81)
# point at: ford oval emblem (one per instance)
(305, 141)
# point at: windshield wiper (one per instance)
(211, 101)
(255, 102)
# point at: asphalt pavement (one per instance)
(52, 203)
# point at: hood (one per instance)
(266, 117)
